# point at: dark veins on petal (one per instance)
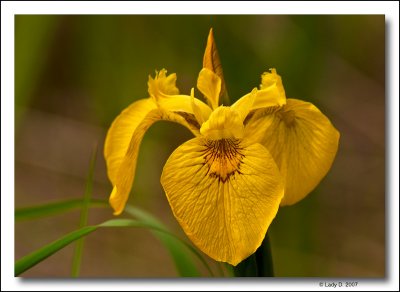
(223, 158)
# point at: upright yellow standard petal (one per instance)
(224, 193)
(302, 141)
(209, 84)
(212, 61)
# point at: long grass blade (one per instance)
(37, 212)
(39, 255)
(32, 259)
(77, 258)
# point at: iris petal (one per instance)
(209, 84)
(245, 104)
(162, 84)
(120, 133)
(126, 132)
(303, 143)
(271, 91)
(270, 95)
(165, 94)
(122, 146)
(224, 193)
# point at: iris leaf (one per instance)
(39, 255)
(77, 258)
(40, 211)
(177, 247)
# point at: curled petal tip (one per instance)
(115, 201)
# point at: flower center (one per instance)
(223, 123)
(223, 158)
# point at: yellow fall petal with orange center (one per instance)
(224, 194)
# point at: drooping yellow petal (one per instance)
(224, 193)
(209, 84)
(302, 141)
(125, 170)
(126, 132)
(123, 141)
(120, 133)
(161, 88)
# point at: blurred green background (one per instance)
(74, 74)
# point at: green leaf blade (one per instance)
(77, 258)
(177, 248)
(41, 211)
(39, 255)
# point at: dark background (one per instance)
(74, 74)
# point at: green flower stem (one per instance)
(264, 259)
(247, 268)
(258, 264)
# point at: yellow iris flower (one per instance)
(225, 185)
